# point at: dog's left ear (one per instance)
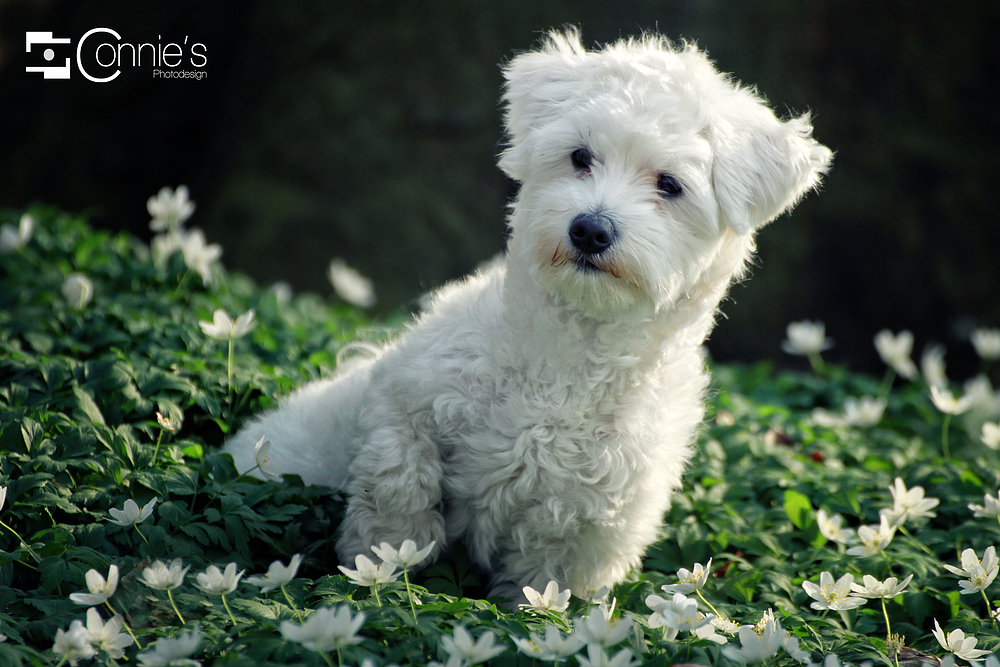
(763, 166)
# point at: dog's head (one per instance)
(635, 162)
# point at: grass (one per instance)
(80, 389)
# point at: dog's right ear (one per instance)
(537, 83)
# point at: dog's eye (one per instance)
(581, 159)
(668, 186)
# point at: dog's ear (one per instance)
(537, 82)
(763, 166)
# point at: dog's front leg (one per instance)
(394, 491)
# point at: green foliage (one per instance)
(80, 389)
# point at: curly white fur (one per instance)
(543, 410)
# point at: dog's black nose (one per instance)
(591, 234)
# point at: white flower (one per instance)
(277, 574)
(3, 496)
(262, 458)
(991, 435)
(12, 240)
(74, 644)
(173, 651)
(873, 538)
(100, 590)
(725, 625)
(369, 573)
(350, 285)
(169, 423)
(895, 351)
(690, 580)
(108, 636)
(873, 588)
(946, 402)
(864, 411)
(553, 647)
(831, 528)
(956, 642)
(989, 509)
(460, 645)
(830, 594)
(164, 577)
(806, 338)
(596, 657)
(222, 327)
(131, 514)
(552, 598)
(407, 556)
(932, 366)
(761, 642)
(169, 208)
(78, 290)
(199, 256)
(678, 614)
(908, 504)
(987, 343)
(978, 575)
(595, 628)
(326, 629)
(215, 581)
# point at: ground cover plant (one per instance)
(826, 513)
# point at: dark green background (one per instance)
(369, 130)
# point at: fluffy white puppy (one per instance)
(544, 409)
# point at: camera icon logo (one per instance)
(46, 39)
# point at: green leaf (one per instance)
(87, 405)
(798, 509)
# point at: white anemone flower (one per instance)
(895, 351)
(596, 628)
(554, 646)
(218, 582)
(830, 594)
(350, 285)
(977, 575)
(873, 539)
(406, 557)
(552, 599)
(864, 411)
(169, 208)
(108, 636)
(78, 290)
(956, 642)
(679, 614)
(946, 402)
(12, 240)
(100, 589)
(222, 326)
(370, 573)
(990, 509)
(597, 657)
(262, 459)
(806, 338)
(762, 641)
(690, 580)
(460, 645)
(130, 514)
(3, 496)
(909, 503)
(277, 574)
(831, 527)
(199, 256)
(173, 651)
(163, 577)
(987, 343)
(991, 435)
(74, 644)
(933, 367)
(872, 588)
(326, 629)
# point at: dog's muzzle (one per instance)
(591, 234)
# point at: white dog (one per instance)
(544, 409)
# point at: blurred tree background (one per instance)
(368, 130)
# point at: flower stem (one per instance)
(816, 361)
(136, 526)
(31, 551)
(378, 600)
(156, 452)
(114, 613)
(944, 437)
(291, 604)
(989, 610)
(714, 610)
(409, 594)
(230, 611)
(174, 605)
(886, 387)
(885, 613)
(327, 657)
